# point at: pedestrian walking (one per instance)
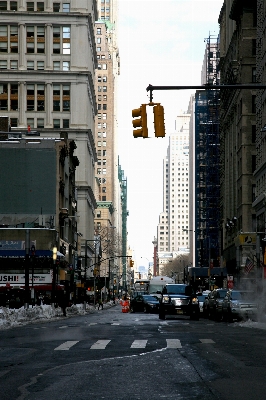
(100, 304)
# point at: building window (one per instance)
(66, 7)
(30, 122)
(3, 5)
(66, 39)
(56, 123)
(253, 163)
(13, 64)
(66, 97)
(253, 104)
(56, 97)
(56, 40)
(40, 65)
(253, 127)
(104, 66)
(30, 65)
(66, 65)
(4, 38)
(14, 97)
(56, 65)
(30, 97)
(13, 6)
(40, 6)
(66, 123)
(3, 64)
(13, 122)
(56, 7)
(13, 39)
(30, 6)
(40, 122)
(99, 31)
(254, 78)
(40, 98)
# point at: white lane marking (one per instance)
(173, 344)
(115, 323)
(67, 345)
(63, 327)
(207, 341)
(139, 344)
(100, 344)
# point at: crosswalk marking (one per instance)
(100, 344)
(66, 345)
(173, 344)
(207, 341)
(136, 344)
(139, 344)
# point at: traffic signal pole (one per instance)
(256, 86)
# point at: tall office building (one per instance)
(48, 59)
(109, 210)
(172, 234)
(106, 126)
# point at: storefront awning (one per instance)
(21, 253)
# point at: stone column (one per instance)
(22, 47)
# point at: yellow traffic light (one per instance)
(141, 122)
(159, 127)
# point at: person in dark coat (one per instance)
(64, 303)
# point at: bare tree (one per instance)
(175, 268)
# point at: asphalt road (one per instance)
(122, 356)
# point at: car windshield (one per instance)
(176, 289)
(222, 293)
(150, 298)
(201, 297)
(240, 295)
(236, 296)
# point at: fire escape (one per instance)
(207, 145)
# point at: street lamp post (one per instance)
(54, 274)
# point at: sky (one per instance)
(161, 42)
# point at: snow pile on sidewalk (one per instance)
(15, 317)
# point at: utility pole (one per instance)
(27, 269)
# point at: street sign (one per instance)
(246, 239)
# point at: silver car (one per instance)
(239, 305)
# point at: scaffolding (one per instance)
(207, 163)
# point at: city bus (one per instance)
(157, 283)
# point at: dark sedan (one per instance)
(145, 303)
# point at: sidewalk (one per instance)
(10, 318)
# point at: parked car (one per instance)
(239, 305)
(145, 303)
(179, 299)
(212, 306)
